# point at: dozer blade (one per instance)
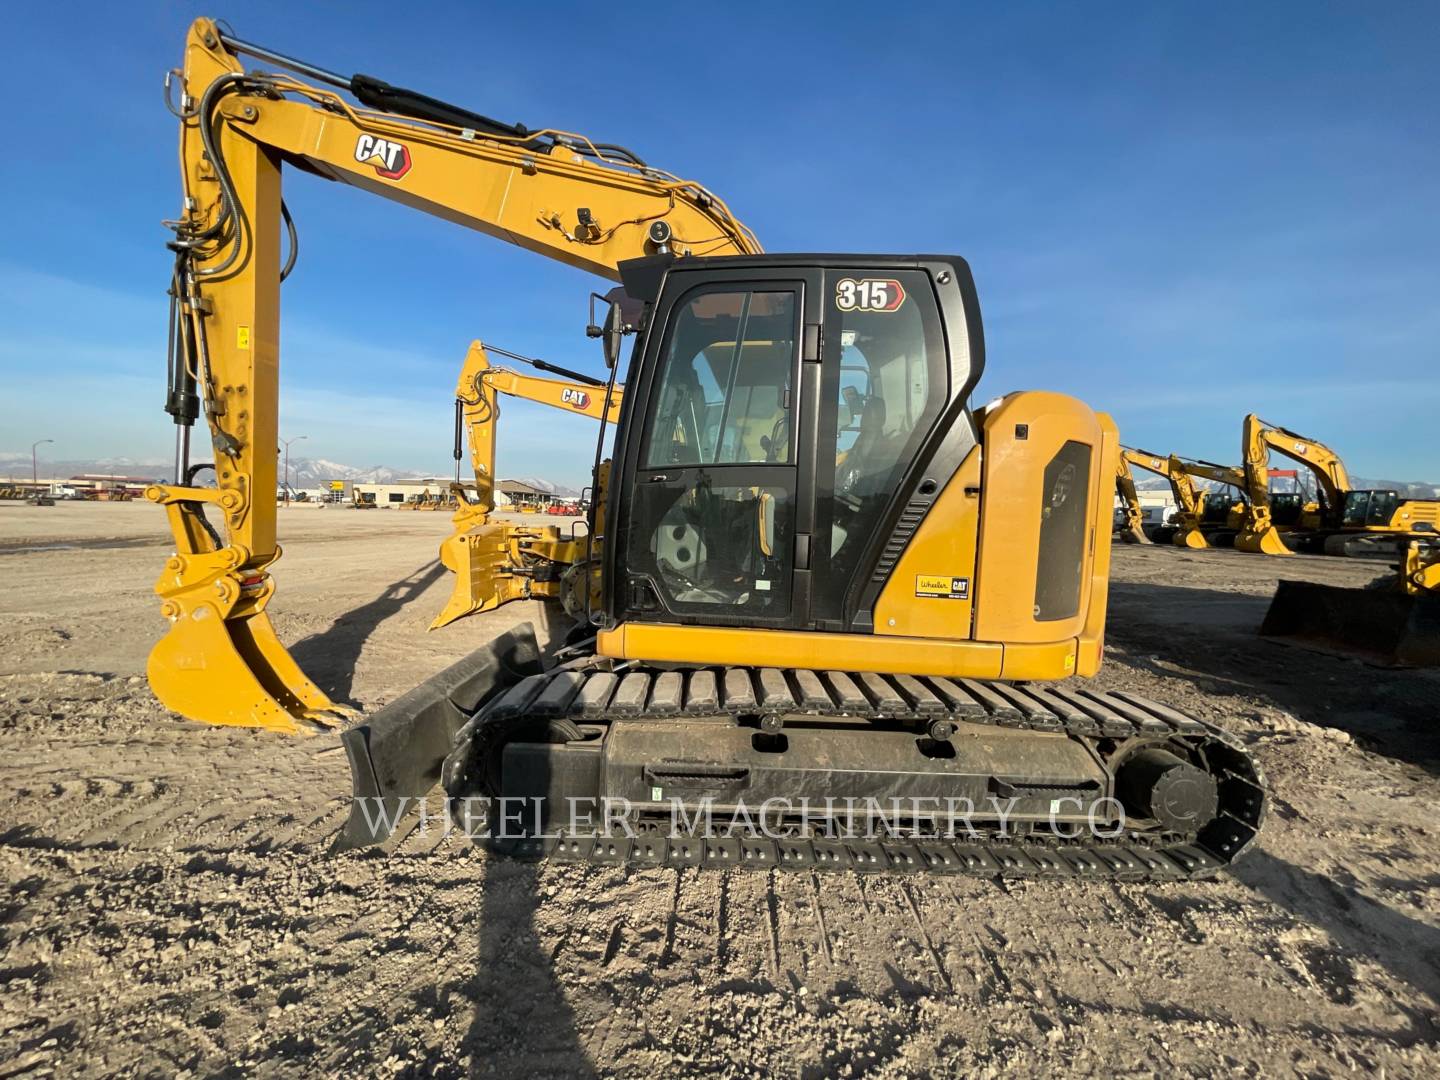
(236, 672)
(481, 562)
(396, 757)
(1378, 626)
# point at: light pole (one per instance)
(35, 468)
(287, 443)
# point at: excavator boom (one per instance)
(1187, 500)
(1261, 532)
(580, 202)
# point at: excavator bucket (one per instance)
(1380, 626)
(395, 758)
(236, 672)
(482, 562)
(1262, 542)
(221, 661)
(1131, 531)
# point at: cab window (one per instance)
(887, 393)
(725, 396)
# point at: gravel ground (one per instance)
(168, 909)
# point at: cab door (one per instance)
(717, 527)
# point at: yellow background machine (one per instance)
(498, 561)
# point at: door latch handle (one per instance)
(660, 478)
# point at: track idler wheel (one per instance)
(1154, 783)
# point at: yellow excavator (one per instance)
(838, 608)
(497, 561)
(1199, 518)
(1342, 513)
(1219, 514)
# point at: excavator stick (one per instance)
(221, 661)
(395, 758)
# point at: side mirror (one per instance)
(614, 330)
(613, 334)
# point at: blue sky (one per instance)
(1179, 213)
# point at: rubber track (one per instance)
(596, 697)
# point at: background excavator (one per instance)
(1132, 521)
(1342, 512)
(1220, 512)
(498, 561)
(1198, 519)
(829, 586)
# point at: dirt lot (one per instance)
(168, 909)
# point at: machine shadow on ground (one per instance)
(330, 657)
(1210, 638)
(522, 1025)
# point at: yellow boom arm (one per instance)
(1187, 501)
(1180, 472)
(585, 204)
(1132, 530)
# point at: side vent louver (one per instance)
(905, 527)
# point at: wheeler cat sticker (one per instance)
(869, 294)
(390, 158)
(942, 586)
(576, 399)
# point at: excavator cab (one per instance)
(1364, 508)
(795, 432)
(1286, 508)
(1217, 508)
(774, 433)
